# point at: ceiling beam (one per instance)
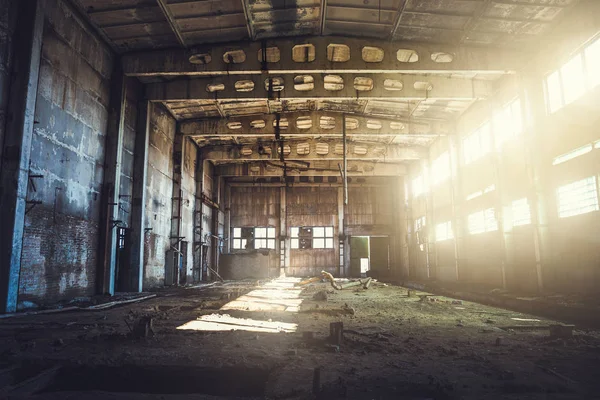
(363, 126)
(320, 168)
(412, 87)
(172, 22)
(248, 19)
(464, 59)
(307, 150)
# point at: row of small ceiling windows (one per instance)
(575, 198)
(303, 53)
(325, 122)
(306, 83)
(321, 149)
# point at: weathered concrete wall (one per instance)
(61, 234)
(249, 264)
(188, 188)
(159, 187)
(7, 27)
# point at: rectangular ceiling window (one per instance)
(521, 212)
(443, 231)
(572, 154)
(573, 79)
(592, 61)
(579, 197)
(253, 238)
(482, 221)
(440, 168)
(508, 122)
(477, 144)
(312, 237)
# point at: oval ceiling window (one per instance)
(244, 86)
(273, 55)
(215, 87)
(338, 53)
(200, 59)
(379, 150)
(421, 85)
(303, 53)
(338, 149)
(304, 83)
(397, 126)
(246, 151)
(393, 84)
(322, 149)
(407, 56)
(360, 150)
(283, 123)
(303, 149)
(234, 125)
(351, 123)
(441, 57)
(372, 54)
(373, 124)
(362, 84)
(333, 82)
(234, 57)
(257, 124)
(304, 122)
(327, 122)
(274, 84)
(286, 149)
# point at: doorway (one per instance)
(369, 256)
(123, 266)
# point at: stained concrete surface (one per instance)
(395, 347)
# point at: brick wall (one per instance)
(61, 234)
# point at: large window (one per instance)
(443, 231)
(477, 144)
(419, 186)
(508, 122)
(580, 73)
(578, 197)
(572, 154)
(521, 213)
(440, 168)
(483, 221)
(254, 238)
(312, 237)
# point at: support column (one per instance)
(401, 257)
(342, 247)
(138, 204)
(458, 221)
(284, 237)
(227, 227)
(429, 219)
(533, 107)
(14, 166)
(112, 179)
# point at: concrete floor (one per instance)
(246, 340)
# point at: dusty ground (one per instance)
(395, 347)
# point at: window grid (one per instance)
(443, 231)
(254, 238)
(319, 237)
(521, 212)
(572, 154)
(482, 221)
(477, 144)
(578, 197)
(508, 122)
(440, 168)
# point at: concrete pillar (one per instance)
(138, 204)
(458, 221)
(14, 166)
(430, 253)
(227, 227)
(540, 196)
(112, 179)
(401, 253)
(343, 249)
(285, 241)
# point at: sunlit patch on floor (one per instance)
(216, 322)
(277, 295)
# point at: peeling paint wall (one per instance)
(188, 188)
(7, 22)
(159, 186)
(61, 233)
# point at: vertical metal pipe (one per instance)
(345, 161)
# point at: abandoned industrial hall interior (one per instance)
(299, 199)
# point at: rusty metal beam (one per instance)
(164, 7)
(320, 168)
(411, 87)
(315, 150)
(464, 59)
(358, 126)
